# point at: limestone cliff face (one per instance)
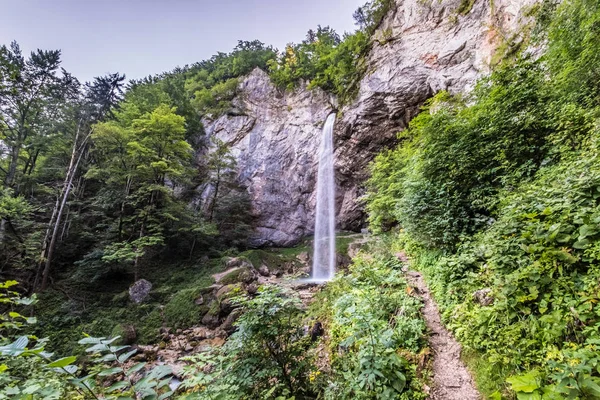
(421, 47)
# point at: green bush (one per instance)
(265, 358)
(372, 346)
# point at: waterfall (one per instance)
(324, 243)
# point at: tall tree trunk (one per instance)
(52, 245)
(14, 160)
(136, 262)
(49, 243)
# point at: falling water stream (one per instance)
(324, 244)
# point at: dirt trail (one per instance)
(451, 379)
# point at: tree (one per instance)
(33, 99)
(221, 165)
(145, 156)
(101, 97)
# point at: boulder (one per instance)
(244, 273)
(264, 271)
(252, 289)
(248, 275)
(483, 297)
(139, 291)
(126, 332)
(234, 262)
(211, 321)
(228, 324)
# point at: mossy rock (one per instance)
(229, 291)
(148, 327)
(206, 291)
(262, 257)
(182, 311)
(213, 308)
(242, 274)
(126, 332)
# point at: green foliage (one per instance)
(500, 192)
(442, 182)
(369, 16)
(213, 83)
(329, 62)
(572, 56)
(111, 367)
(265, 358)
(182, 311)
(465, 6)
(30, 372)
(373, 346)
(323, 60)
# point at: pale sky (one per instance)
(145, 37)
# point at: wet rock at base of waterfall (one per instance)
(139, 291)
(303, 257)
(228, 324)
(483, 296)
(264, 271)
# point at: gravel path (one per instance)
(451, 379)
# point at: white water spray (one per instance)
(324, 245)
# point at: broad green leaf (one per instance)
(97, 348)
(581, 244)
(125, 356)
(110, 371)
(90, 340)
(525, 383)
(591, 388)
(529, 396)
(117, 386)
(135, 368)
(62, 362)
(587, 230)
(15, 348)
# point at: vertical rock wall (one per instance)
(421, 47)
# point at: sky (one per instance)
(145, 37)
